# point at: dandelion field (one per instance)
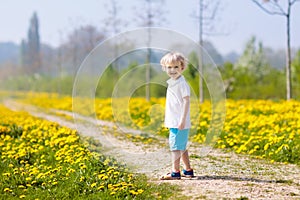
(263, 128)
(41, 159)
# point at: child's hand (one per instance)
(181, 125)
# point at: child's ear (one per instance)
(182, 67)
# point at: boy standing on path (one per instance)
(177, 114)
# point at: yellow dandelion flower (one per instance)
(6, 174)
(100, 187)
(133, 192)
(140, 191)
(82, 179)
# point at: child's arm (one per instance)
(186, 104)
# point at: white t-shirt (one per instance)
(177, 89)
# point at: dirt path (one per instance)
(219, 175)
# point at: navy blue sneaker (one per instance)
(171, 176)
(188, 174)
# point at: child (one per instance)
(177, 114)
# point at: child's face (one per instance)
(174, 70)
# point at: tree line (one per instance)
(252, 76)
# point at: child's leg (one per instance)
(175, 175)
(186, 160)
(176, 160)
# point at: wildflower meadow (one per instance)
(43, 160)
(263, 128)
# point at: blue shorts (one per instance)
(178, 139)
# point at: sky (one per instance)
(237, 21)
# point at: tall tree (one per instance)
(273, 7)
(152, 14)
(113, 22)
(33, 44)
(207, 12)
(113, 25)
